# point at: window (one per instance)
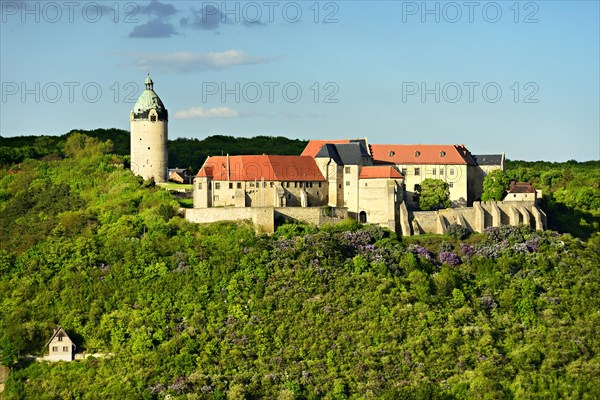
(319, 184)
(153, 118)
(65, 348)
(433, 172)
(54, 348)
(295, 184)
(417, 171)
(362, 217)
(451, 171)
(317, 192)
(417, 153)
(287, 184)
(199, 185)
(391, 153)
(441, 171)
(366, 184)
(403, 171)
(239, 185)
(60, 338)
(442, 153)
(230, 185)
(347, 183)
(272, 184)
(264, 184)
(217, 185)
(347, 170)
(450, 185)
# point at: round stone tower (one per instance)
(149, 133)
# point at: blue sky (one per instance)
(518, 77)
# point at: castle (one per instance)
(334, 179)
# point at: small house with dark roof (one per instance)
(521, 191)
(60, 346)
(180, 175)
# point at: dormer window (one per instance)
(391, 153)
(442, 153)
(417, 153)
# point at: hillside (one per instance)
(218, 311)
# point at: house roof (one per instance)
(521, 187)
(59, 330)
(488, 159)
(421, 154)
(314, 146)
(378, 172)
(353, 153)
(258, 167)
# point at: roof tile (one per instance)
(259, 167)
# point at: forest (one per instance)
(219, 311)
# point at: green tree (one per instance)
(435, 194)
(79, 145)
(495, 185)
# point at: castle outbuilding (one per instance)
(149, 134)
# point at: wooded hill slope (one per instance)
(217, 311)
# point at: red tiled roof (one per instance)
(269, 168)
(313, 147)
(421, 154)
(521, 187)
(380, 171)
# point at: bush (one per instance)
(458, 231)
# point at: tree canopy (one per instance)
(495, 185)
(434, 194)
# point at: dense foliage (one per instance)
(571, 193)
(218, 311)
(432, 194)
(183, 152)
(495, 186)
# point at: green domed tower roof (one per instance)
(149, 100)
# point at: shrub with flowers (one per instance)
(448, 257)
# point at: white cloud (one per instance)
(185, 61)
(201, 113)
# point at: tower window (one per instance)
(153, 118)
(148, 147)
